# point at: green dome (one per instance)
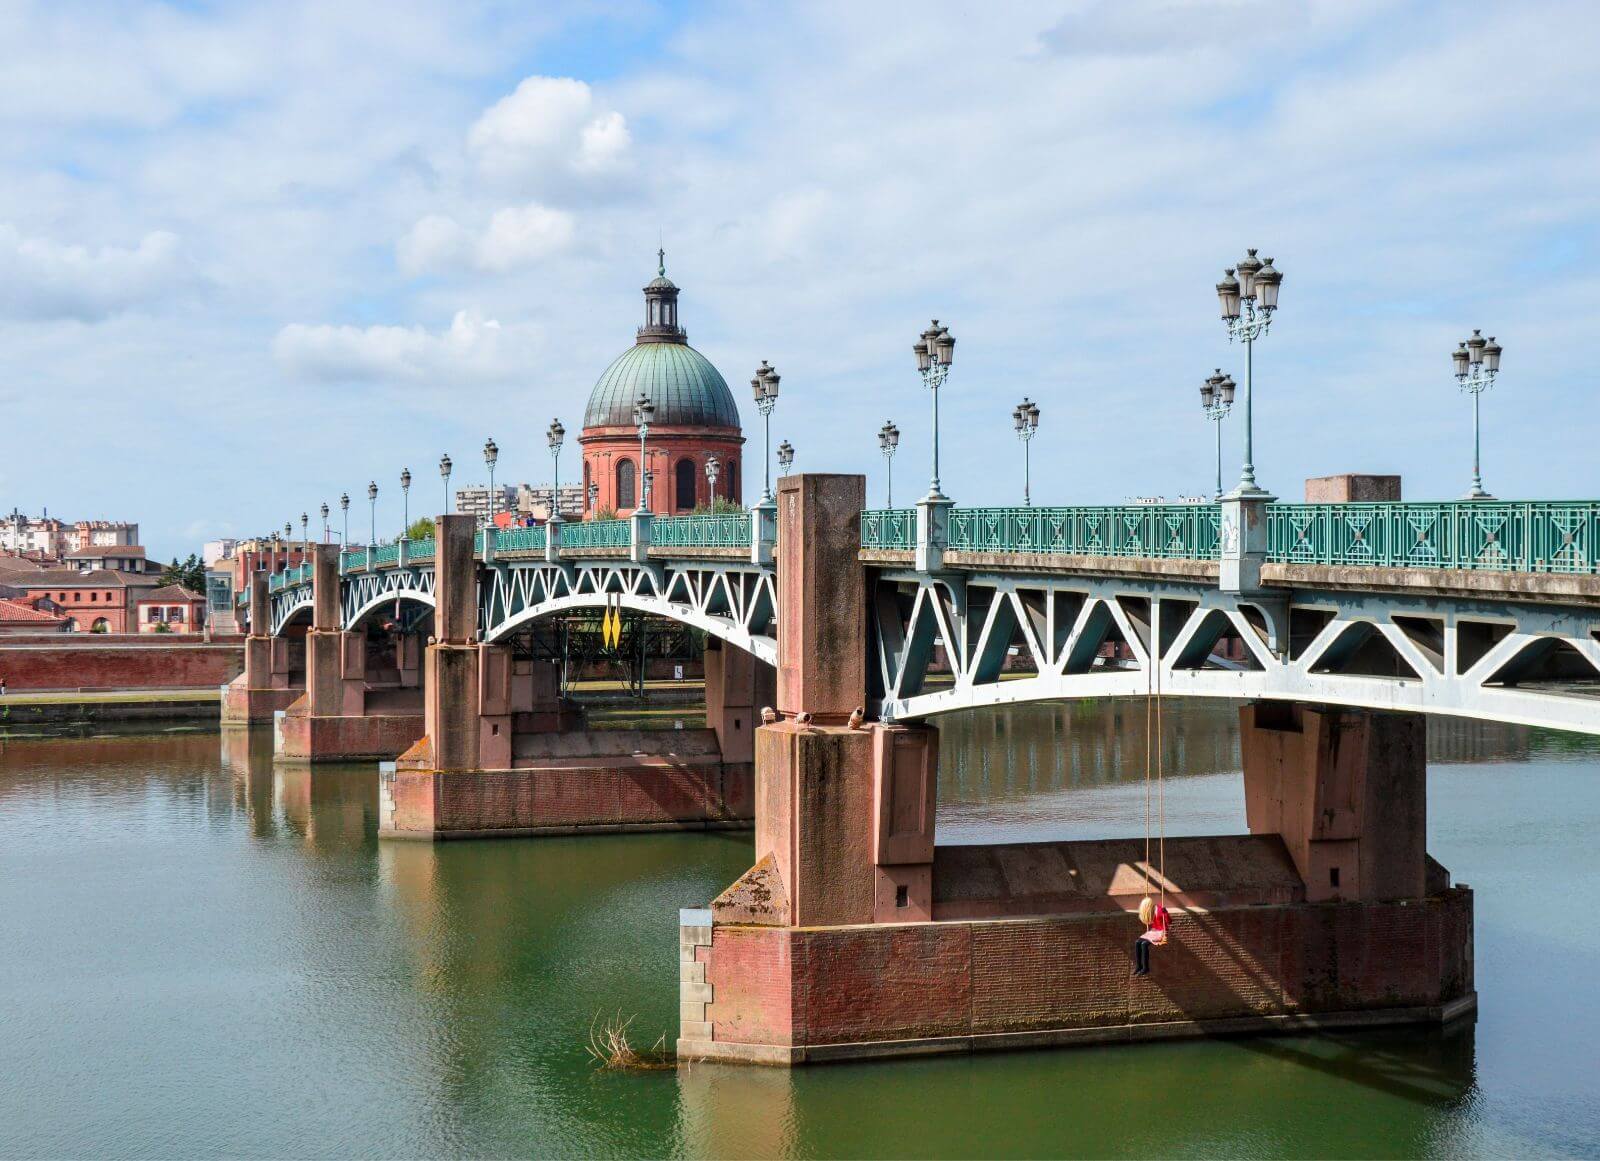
(685, 388)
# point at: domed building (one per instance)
(694, 418)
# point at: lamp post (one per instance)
(1477, 362)
(491, 456)
(1248, 303)
(444, 474)
(643, 410)
(888, 444)
(324, 511)
(785, 457)
(405, 503)
(765, 388)
(1025, 418)
(713, 470)
(344, 508)
(935, 350)
(372, 504)
(1216, 400)
(594, 497)
(555, 435)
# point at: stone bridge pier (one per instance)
(274, 667)
(856, 935)
(501, 754)
(363, 697)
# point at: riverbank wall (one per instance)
(92, 662)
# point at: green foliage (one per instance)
(191, 574)
(605, 513)
(421, 528)
(99, 627)
(721, 506)
(162, 627)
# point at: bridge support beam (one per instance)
(855, 936)
(342, 717)
(273, 674)
(502, 754)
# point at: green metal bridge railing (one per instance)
(596, 534)
(720, 530)
(1163, 531)
(1487, 535)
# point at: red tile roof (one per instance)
(15, 612)
(169, 593)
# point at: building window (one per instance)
(153, 614)
(101, 625)
(94, 597)
(78, 596)
(175, 615)
(733, 481)
(625, 485)
(683, 485)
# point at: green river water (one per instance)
(201, 955)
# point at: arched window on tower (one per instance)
(626, 496)
(586, 480)
(733, 480)
(683, 481)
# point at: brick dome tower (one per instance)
(693, 418)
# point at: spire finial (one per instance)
(661, 263)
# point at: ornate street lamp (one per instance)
(1025, 418)
(643, 412)
(444, 474)
(305, 531)
(491, 456)
(935, 350)
(554, 436)
(888, 444)
(324, 511)
(344, 507)
(405, 503)
(1476, 363)
(713, 470)
(594, 496)
(1216, 400)
(764, 386)
(1248, 302)
(372, 503)
(785, 456)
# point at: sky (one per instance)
(252, 256)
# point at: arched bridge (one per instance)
(1480, 609)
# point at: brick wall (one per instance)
(795, 987)
(111, 665)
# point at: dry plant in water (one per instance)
(608, 1044)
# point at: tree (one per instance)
(421, 529)
(191, 574)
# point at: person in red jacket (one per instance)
(1155, 918)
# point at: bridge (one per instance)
(854, 933)
(1480, 609)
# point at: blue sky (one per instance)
(251, 256)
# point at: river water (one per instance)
(201, 956)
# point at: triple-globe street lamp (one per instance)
(444, 474)
(1248, 294)
(554, 437)
(764, 385)
(405, 503)
(491, 456)
(372, 505)
(1025, 418)
(935, 350)
(888, 444)
(785, 457)
(1216, 400)
(344, 508)
(324, 511)
(1476, 362)
(643, 412)
(713, 470)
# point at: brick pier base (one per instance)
(243, 706)
(580, 782)
(304, 738)
(786, 995)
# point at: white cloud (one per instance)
(546, 132)
(516, 236)
(44, 279)
(473, 348)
